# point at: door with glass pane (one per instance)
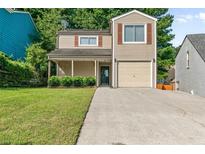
(104, 75)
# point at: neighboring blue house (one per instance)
(17, 31)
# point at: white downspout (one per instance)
(155, 33)
(113, 55)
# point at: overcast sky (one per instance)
(187, 21)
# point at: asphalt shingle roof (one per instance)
(198, 41)
(84, 32)
(80, 52)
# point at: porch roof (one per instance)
(69, 53)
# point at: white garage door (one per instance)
(134, 74)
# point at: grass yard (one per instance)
(42, 115)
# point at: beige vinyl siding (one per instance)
(81, 68)
(64, 68)
(134, 74)
(133, 52)
(84, 68)
(67, 41)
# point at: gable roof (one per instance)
(84, 32)
(198, 41)
(58, 53)
(134, 11)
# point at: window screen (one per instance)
(134, 33)
(88, 40)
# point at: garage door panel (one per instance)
(134, 74)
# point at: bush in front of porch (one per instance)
(68, 81)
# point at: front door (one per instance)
(104, 75)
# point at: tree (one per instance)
(48, 24)
(177, 49)
(36, 57)
(91, 18)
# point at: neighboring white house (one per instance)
(190, 65)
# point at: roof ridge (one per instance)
(198, 41)
(84, 30)
(195, 34)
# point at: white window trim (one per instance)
(85, 45)
(145, 34)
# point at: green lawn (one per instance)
(42, 115)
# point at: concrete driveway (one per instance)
(144, 116)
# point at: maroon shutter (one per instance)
(119, 34)
(76, 40)
(100, 40)
(149, 33)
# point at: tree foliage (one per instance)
(36, 57)
(15, 73)
(48, 24)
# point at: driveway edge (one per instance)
(85, 115)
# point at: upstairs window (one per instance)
(134, 33)
(88, 41)
(187, 59)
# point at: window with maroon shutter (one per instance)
(149, 33)
(134, 33)
(119, 33)
(88, 41)
(76, 40)
(100, 40)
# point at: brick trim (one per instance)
(119, 27)
(149, 33)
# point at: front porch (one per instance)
(101, 70)
(83, 62)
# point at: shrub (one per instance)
(90, 81)
(54, 81)
(15, 73)
(78, 81)
(66, 81)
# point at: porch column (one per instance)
(72, 67)
(49, 68)
(57, 67)
(95, 68)
(97, 73)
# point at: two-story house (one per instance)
(123, 56)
